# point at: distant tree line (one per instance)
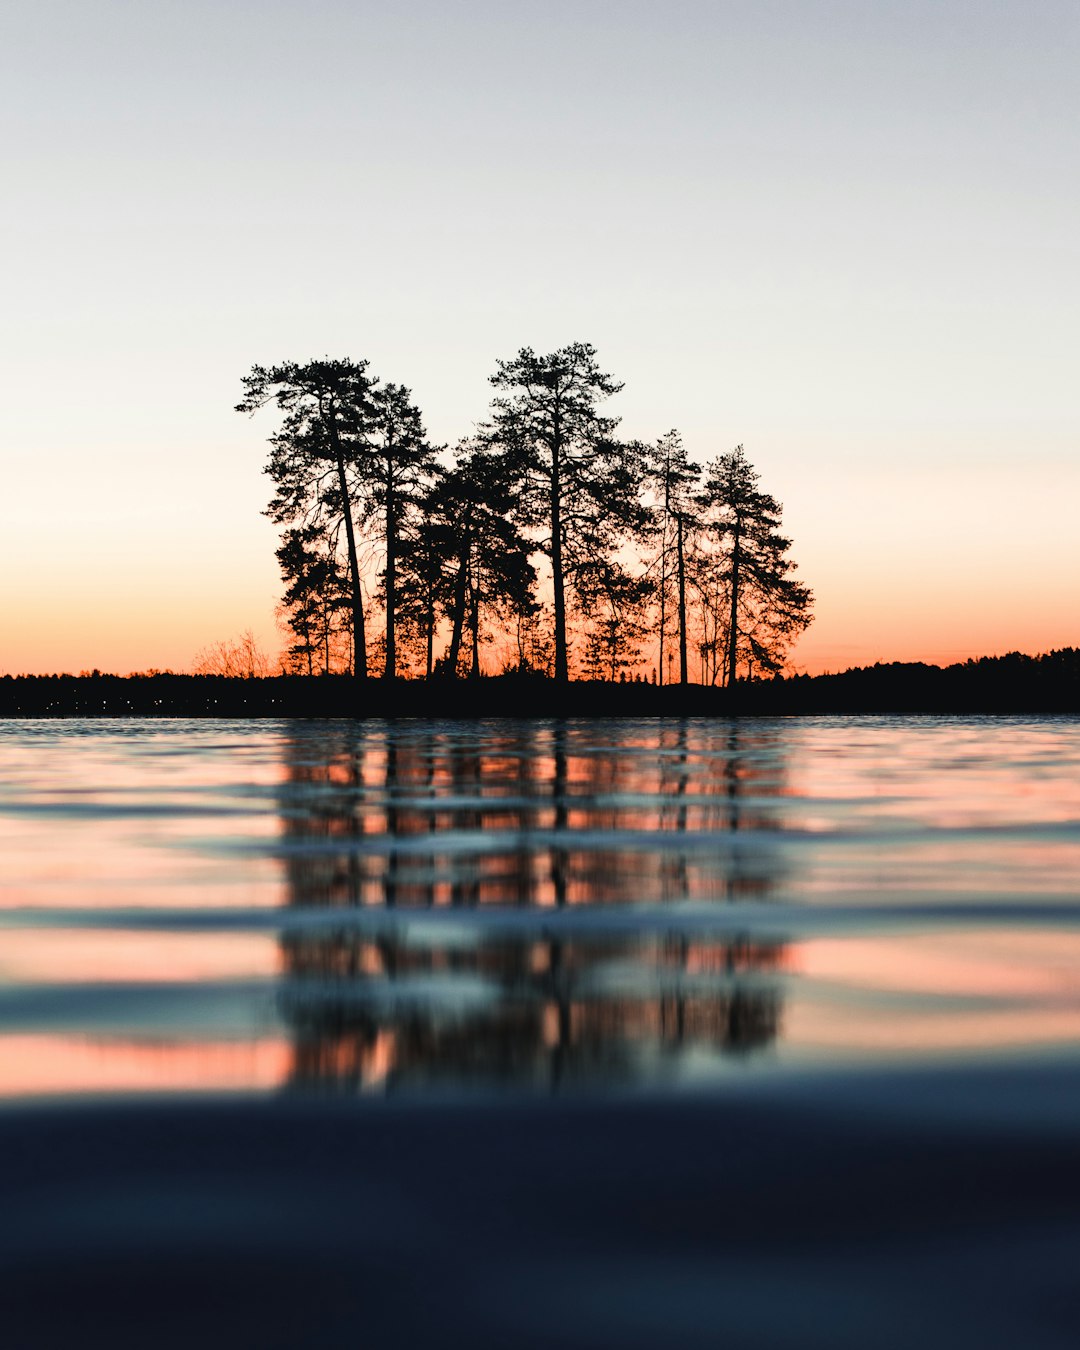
(542, 543)
(1012, 684)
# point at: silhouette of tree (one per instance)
(397, 465)
(706, 574)
(767, 607)
(316, 598)
(576, 482)
(328, 409)
(547, 475)
(616, 604)
(672, 479)
(489, 567)
(426, 549)
(532, 638)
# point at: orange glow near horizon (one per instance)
(899, 573)
(836, 641)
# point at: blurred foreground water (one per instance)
(678, 1029)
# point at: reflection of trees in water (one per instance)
(538, 816)
(368, 1010)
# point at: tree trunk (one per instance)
(305, 631)
(359, 637)
(733, 621)
(390, 669)
(474, 623)
(430, 631)
(663, 566)
(461, 588)
(562, 668)
(684, 677)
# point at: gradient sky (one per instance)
(843, 234)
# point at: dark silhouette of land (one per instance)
(1015, 683)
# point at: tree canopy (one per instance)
(544, 541)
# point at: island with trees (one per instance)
(544, 565)
(543, 543)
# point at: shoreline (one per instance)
(1008, 685)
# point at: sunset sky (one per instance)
(841, 233)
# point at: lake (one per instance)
(515, 906)
(525, 1033)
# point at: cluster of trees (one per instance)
(544, 535)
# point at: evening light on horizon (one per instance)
(841, 235)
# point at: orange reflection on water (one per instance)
(739, 823)
(32, 1065)
(108, 863)
(54, 956)
(949, 774)
(867, 1030)
(1028, 982)
(131, 815)
(1007, 964)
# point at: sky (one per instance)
(841, 234)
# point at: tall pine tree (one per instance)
(576, 484)
(767, 607)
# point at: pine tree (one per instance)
(671, 480)
(315, 455)
(426, 550)
(576, 483)
(767, 607)
(488, 559)
(316, 600)
(397, 465)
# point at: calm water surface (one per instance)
(420, 906)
